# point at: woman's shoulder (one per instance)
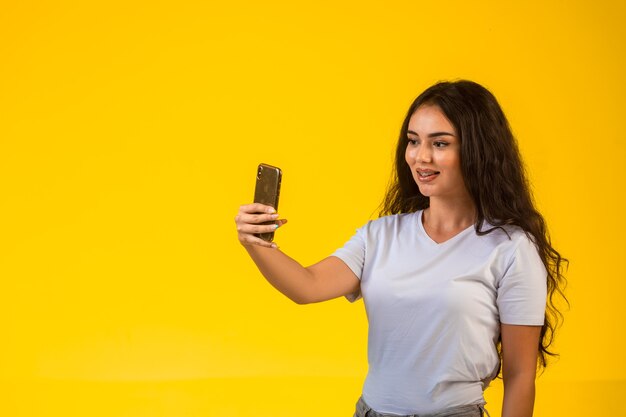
(392, 220)
(390, 224)
(506, 236)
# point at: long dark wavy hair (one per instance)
(494, 175)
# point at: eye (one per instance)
(413, 141)
(440, 144)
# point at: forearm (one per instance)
(519, 396)
(283, 272)
(325, 280)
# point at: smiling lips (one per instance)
(426, 175)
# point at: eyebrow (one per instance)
(432, 135)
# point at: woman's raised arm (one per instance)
(325, 280)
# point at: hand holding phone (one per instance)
(267, 191)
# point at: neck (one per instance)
(450, 215)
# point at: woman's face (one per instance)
(433, 153)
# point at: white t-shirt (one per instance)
(434, 310)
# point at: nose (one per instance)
(423, 153)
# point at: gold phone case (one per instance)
(267, 191)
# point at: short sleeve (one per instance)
(522, 290)
(353, 255)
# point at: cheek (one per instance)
(455, 165)
(452, 160)
(457, 162)
(409, 155)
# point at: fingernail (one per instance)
(276, 226)
(274, 245)
(271, 210)
(274, 216)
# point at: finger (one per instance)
(256, 208)
(255, 218)
(256, 228)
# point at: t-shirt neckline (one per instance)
(430, 240)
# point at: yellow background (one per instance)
(130, 132)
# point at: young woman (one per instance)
(457, 275)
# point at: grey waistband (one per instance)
(473, 410)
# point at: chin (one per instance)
(425, 191)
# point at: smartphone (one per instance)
(267, 191)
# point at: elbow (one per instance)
(305, 292)
(300, 299)
(304, 297)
